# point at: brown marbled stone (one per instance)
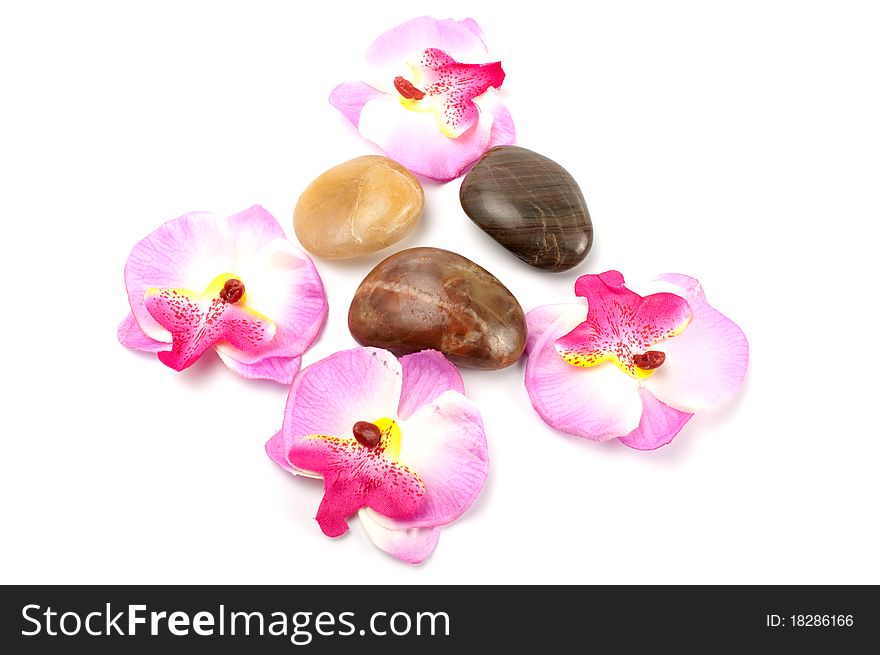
(428, 298)
(530, 205)
(358, 207)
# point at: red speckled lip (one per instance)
(621, 326)
(452, 86)
(198, 321)
(356, 476)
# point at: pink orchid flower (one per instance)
(431, 101)
(620, 365)
(395, 441)
(236, 285)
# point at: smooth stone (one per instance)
(428, 298)
(530, 205)
(358, 207)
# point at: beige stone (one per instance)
(358, 207)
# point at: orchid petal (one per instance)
(278, 451)
(330, 396)
(283, 284)
(426, 375)
(706, 364)
(131, 336)
(658, 426)
(406, 42)
(281, 280)
(503, 132)
(277, 369)
(413, 139)
(597, 403)
(445, 444)
(252, 230)
(411, 545)
(472, 25)
(540, 319)
(185, 253)
(350, 97)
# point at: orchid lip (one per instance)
(649, 360)
(407, 89)
(367, 434)
(623, 327)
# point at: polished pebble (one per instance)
(358, 207)
(428, 298)
(530, 205)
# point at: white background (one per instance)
(734, 142)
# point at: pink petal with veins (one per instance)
(414, 139)
(282, 284)
(331, 395)
(445, 444)
(188, 252)
(706, 364)
(411, 545)
(350, 97)
(658, 426)
(407, 42)
(597, 402)
(277, 369)
(131, 336)
(426, 376)
(503, 132)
